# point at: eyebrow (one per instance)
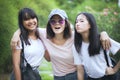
(79, 19)
(57, 19)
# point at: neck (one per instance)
(58, 40)
(32, 35)
(85, 37)
(59, 36)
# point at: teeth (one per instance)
(31, 24)
(57, 28)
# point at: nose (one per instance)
(30, 21)
(77, 24)
(57, 22)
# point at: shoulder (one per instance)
(74, 50)
(115, 46)
(77, 56)
(114, 43)
(73, 32)
(72, 35)
(42, 31)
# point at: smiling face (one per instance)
(30, 24)
(82, 25)
(28, 20)
(57, 24)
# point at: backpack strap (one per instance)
(22, 55)
(106, 58)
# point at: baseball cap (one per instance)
(59, 12)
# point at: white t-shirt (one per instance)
(95, 66)
(33, 53)
(61, 55)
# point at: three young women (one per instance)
(58, 39)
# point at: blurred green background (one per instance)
(106, 12)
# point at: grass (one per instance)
(46, 70)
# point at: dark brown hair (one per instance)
(25, 14)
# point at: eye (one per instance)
(76, 21)
(61, 21)
(79, 21)
(52, 22)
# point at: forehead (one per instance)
(28, 15)
(56, 17)
(81, 16)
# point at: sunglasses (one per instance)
(60, 21)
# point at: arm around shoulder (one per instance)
(15, 40)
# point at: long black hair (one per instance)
(25, 14)
(94, 39)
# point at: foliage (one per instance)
(7, 25)
(46, 70)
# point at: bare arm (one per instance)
(15, 40)
(104, 38)
(117, 67)
(80, 72)
(47, 56)
(110, 70)
(16, 63)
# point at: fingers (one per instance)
(15, 40)
(104, 37)
(18, 43)
(13, 44)
(103, 44)
(109, 71)
(106, 44)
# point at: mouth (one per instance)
(32, 24)
(57, 27)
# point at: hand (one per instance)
(110, 71)
(105, 40)
(15, 40)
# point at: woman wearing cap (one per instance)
(58, 40)
(58, 43)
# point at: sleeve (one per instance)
(115, 46)
(77, 57)
(42, 32)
